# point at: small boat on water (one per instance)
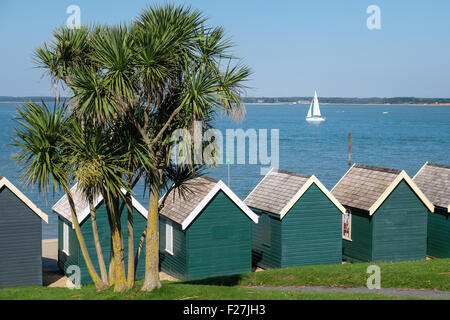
(314, 111)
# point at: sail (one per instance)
(316, 108)
(309, 111)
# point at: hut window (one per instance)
(66, 238)
(169, 237)
(347, 225)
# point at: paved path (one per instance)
(52, 276)
(395, 292)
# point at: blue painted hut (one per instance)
(205, 231)
(300, 221)
(69, 251)
(386, 217)
(20, 238)
(434, 181)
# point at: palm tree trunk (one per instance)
(130, 278)
(120, 281)
(98, 246)
(151, 280)
(139, 249)
(99, 284)
(111, 267)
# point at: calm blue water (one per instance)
(404, 138)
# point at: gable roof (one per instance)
(184, 208)
(366, 187)
(279, 190)
(62, 207)
(5, 182)
(434, 180)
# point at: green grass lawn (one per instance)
(424, 274)
(179, 291)
(431, 274)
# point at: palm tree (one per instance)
(40, 137)
(187, 89)
(165, 71)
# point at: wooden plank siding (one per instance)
(174, 264)
(309, 234)
(360, 248)
(397, 231)
(219, 240)
(266, 253)
(65, 260)
(438, 242)
(217, 243)
(400, 227)
(20, 242)
(311, 231)
(76, 257)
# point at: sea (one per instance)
(393, 136)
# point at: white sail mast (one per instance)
(310, 110)
(316, 108)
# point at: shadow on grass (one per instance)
(227, 281)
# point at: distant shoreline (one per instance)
(351, 104)
(12, 101)
(322, 103)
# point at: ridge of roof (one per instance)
(292, 173)
(375, 168)
(443, 166)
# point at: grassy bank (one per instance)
(179, 291)
(431, 274)
(424, 274)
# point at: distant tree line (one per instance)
(29, 98)
(337, 100)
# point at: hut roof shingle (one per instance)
(183, 207)
(178, 206)
(366, 187)
(62, 207)
(363, 185)
(276, 190)
(434, 181)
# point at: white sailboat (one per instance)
(314, 111)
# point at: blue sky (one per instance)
(292, 46)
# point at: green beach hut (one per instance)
(300, 221)
(205, 231)
(69, 251)
(386, 218)
(20, 238)
(434, 181)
